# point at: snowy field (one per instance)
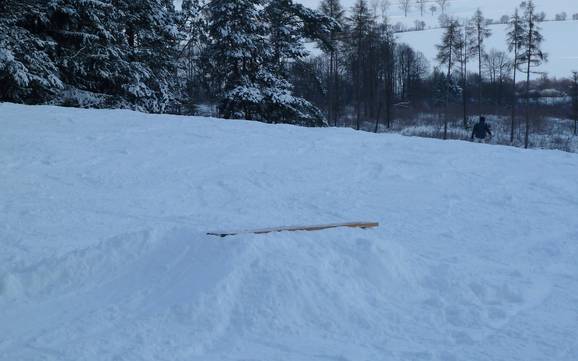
(103, 252)
(558, 43)
(562, 56)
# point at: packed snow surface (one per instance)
(104, 256)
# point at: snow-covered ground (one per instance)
(562, 58)
(103, 252)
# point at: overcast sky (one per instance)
(310, 3)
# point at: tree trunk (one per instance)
(448, 94)
(378, 116)
(515, 99)
(527, 135)
(465, 93)
(358, 85)
(480, 75)
(529, 55)
(336, 90)
(330, 90)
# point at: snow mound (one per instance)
(195, 292)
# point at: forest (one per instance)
(278, 61)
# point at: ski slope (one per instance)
(104, 256)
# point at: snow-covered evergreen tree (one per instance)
(150, 28)
(27, 70)
(250, 43)
(233, 54)
(90, 53)
(288, 24)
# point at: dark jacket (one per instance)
(480, 130)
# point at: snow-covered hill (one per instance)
(562, 57)
(103, 252)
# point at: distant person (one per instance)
(481, 130)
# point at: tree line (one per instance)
(252, 59)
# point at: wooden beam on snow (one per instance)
(362, 225)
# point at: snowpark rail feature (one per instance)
(362, 225)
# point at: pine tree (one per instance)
(388, 46)
(479, 33)
(150, 28)
(334, 10)
(360, 24)
(515, 35)
(288, 24)
(28, 72)
(235, 49)
(89, 45)
(448, 54)
(531, 54)
(248, 48)
(464, 59)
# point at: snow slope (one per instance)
(103, 254)
(562, 58)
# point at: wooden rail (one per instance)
(363, 225)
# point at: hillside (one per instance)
(563, 58)
(104, 256)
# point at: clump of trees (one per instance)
(123, 51)
(248, 59)
(135, 54)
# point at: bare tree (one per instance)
(405, 5)
(421, 4)
(443, 4)
(384, 6)
(497, 66)
(433, 9)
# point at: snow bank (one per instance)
(103, 252)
